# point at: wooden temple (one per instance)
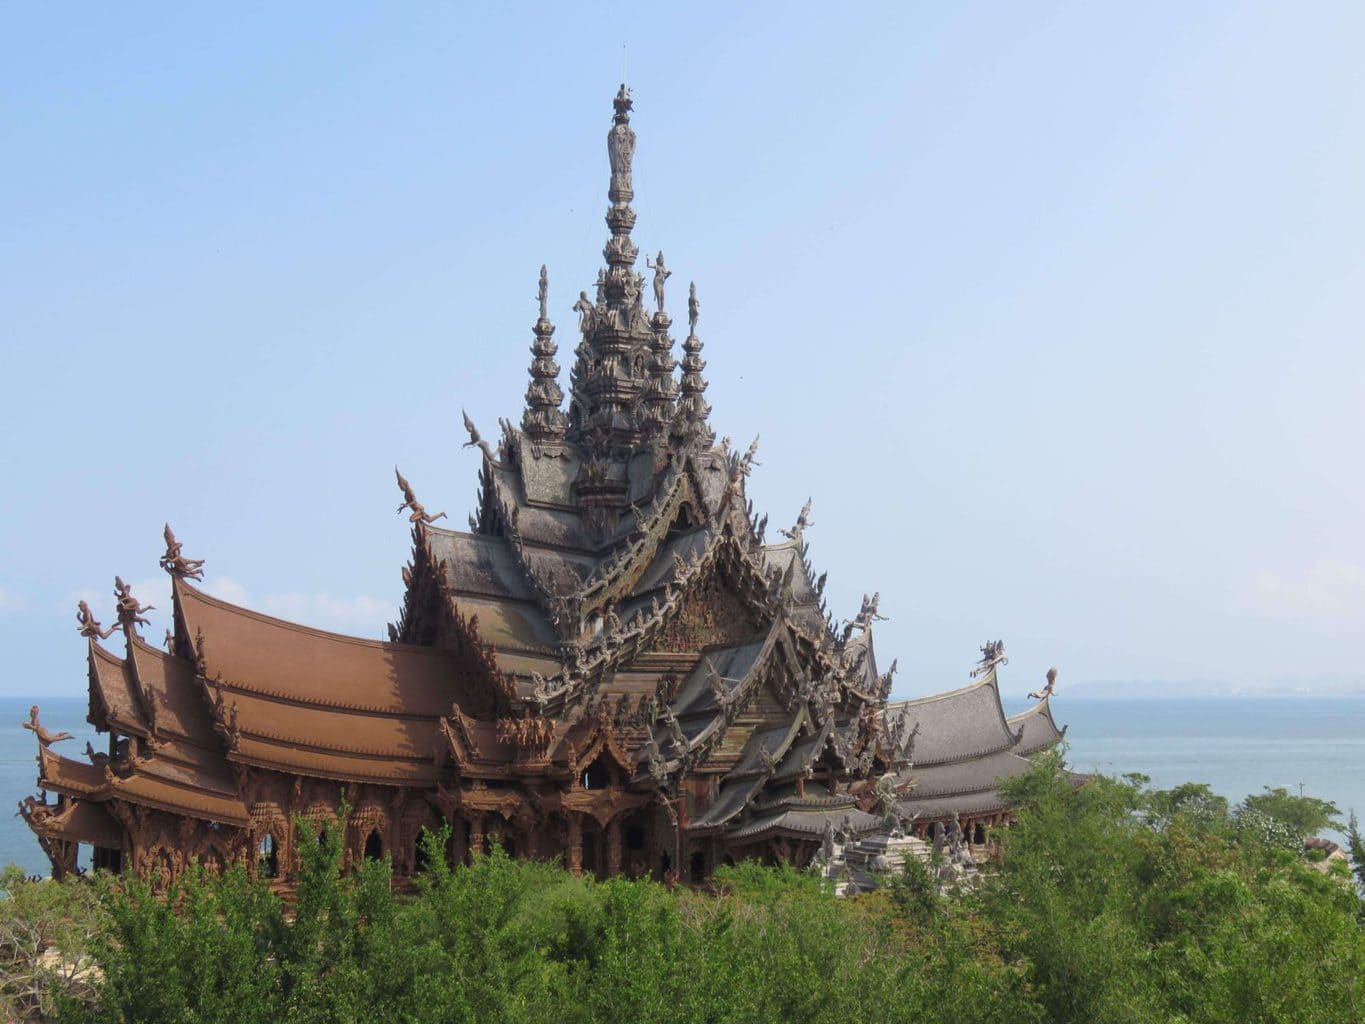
(612, 666)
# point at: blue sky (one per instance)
(1055, 309)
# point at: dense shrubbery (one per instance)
(1112, 903)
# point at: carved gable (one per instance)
(712, 614)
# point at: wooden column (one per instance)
(614, 847)
(574, 855)
(475, 834)
(459, 841)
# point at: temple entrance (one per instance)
(374, 845)
(106, 859)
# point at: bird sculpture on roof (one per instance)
(419, 512)
(1047, 690)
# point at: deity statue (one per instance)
(36, 727)
(586, 311)
(544, 291)
(692, 307)
(175, 563)
(419, 512)
(661, 275)
(88, 626)
(621, 144)
(130, 611)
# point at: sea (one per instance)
(1237, 745)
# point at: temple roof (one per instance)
(273, 659)
(963, 723)
(1037, 729)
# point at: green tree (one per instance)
(1305, 814)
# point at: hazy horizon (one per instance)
(1056, 312)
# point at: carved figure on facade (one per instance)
(87, 625)
(177, 564)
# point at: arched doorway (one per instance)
(374, 845)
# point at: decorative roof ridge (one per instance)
(1041, 708)
(768, 769)
(385, 645)
(987, 679)
(98, 650)
(640, 552)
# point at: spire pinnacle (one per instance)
(690, 426)
(543, 422)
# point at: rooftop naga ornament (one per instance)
(419, 512)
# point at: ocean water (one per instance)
(1237, 746)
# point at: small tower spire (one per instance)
(690, 427)
(543, 422)
(662, 390)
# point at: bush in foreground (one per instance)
(1111, 903)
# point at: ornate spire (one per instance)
(690, 428)
(542, 421)
(611, 366)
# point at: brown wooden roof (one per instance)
(294, 664)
